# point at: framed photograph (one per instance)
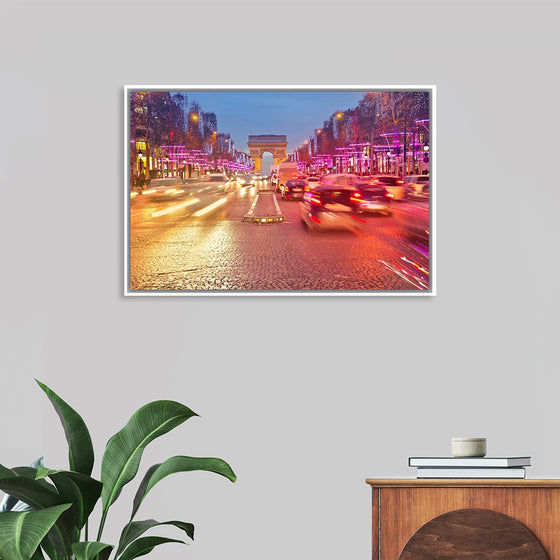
(279, 190)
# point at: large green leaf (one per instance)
(124, 450)
(175, 465)
(11, 503)
(142, 546)
(90, 549)
(31, 473)
(133, 530)
(39, 497)
(79, 489)
(80, 448)
(58, 542)
(6, 472)
(29, 491)
(22, 532)
(49, 548)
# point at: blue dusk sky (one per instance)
(293, 113)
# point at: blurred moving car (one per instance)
(244, 180)
(293, 189)
(371, 197)
(329, 207)
(344, 180)
(417, 187)
(217, 178)
(312, 182)
(395, 185)
(219, 182)
(414, 218)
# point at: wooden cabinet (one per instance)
(493, 518)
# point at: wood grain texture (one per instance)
(404, 510)
(469, 534)
(375, 524)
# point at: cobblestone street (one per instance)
(220, 251)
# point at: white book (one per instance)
(469, 461)
(477, 472)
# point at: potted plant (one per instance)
(62, 501)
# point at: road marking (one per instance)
(278, 211)
(210, 207)
(252, 209)
(175, 207)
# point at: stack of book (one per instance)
(470, 467)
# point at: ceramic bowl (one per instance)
(468, 447)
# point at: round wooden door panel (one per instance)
(473, 534)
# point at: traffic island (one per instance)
(264, 209)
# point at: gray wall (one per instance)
(373, 380)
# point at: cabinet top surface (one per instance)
(463, 482)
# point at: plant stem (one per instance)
(101, 524)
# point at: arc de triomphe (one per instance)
(274, 143)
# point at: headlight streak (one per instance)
(175, 207)
(415, 281)
(210, 207)
(418, 267)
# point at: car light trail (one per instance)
(359, 219)
(174, 208)
(416, 266)
(210, 207)
(402, 273)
